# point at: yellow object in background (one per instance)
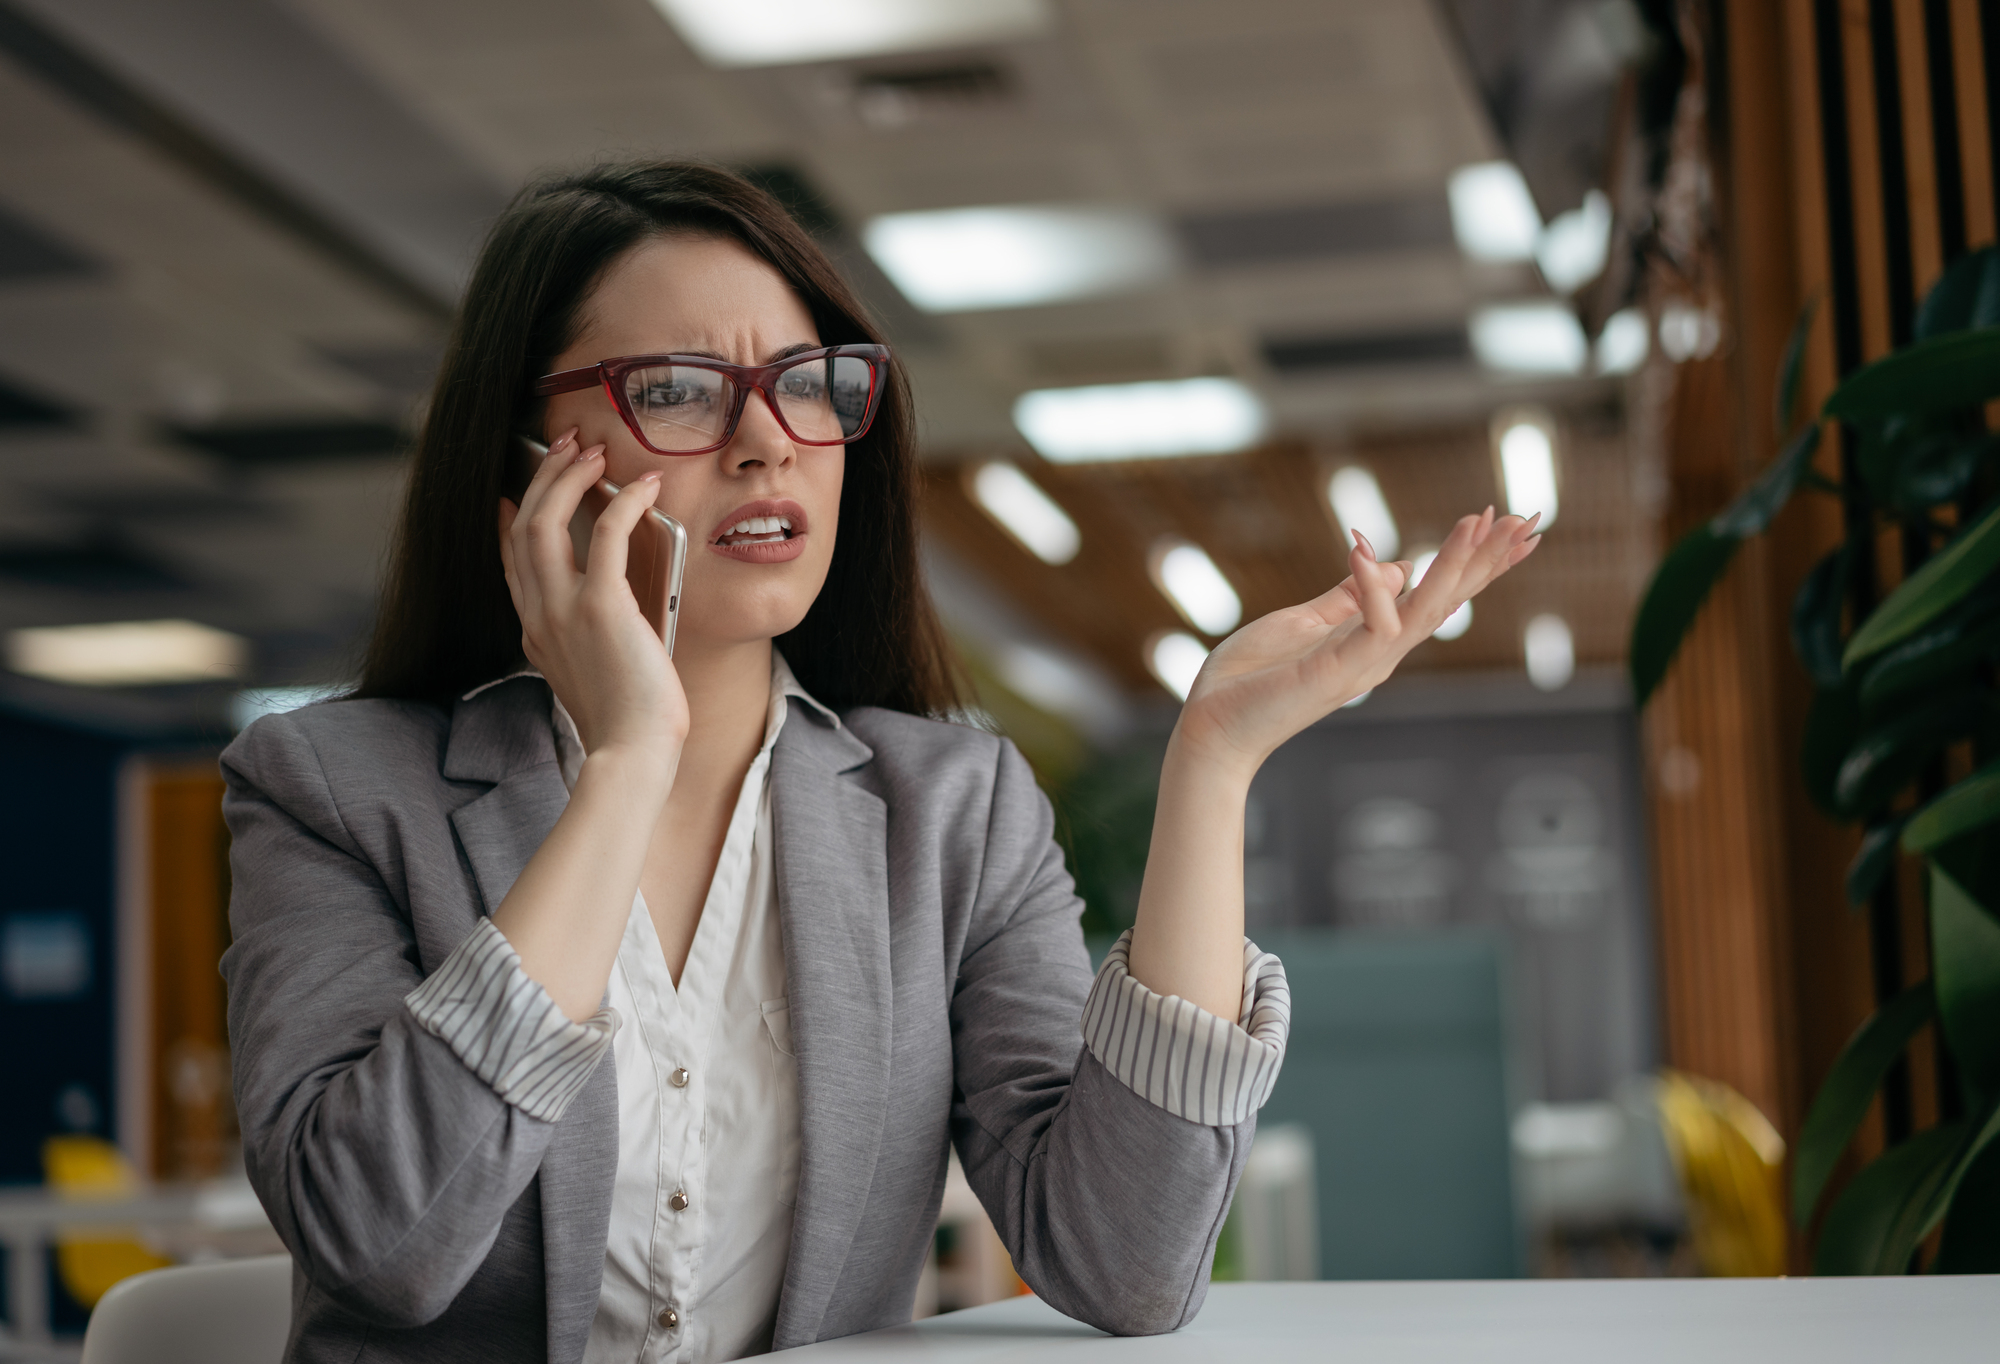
(87, 1168)
(1730, 1161)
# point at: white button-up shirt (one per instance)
(708, 1104)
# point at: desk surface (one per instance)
(1940, 1320)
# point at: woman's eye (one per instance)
(797, 385)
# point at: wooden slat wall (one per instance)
(1859, 190)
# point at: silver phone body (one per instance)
(665, 536)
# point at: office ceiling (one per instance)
(231, 232)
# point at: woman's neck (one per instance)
(728, 691)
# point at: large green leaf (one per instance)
(1971, 1240)
(1766, 496)
(1947, 650)
(1694, 565)
(1938, 469)
(1966, 295)
(1887, 757)
(1932, 590)
(1965, 963)
(1673, 599)
(1959, 809)
(1862, 1234)
(1792, 365)
(1816, 613)
(1958, 369)
(1873, 860)
(1842, 1102)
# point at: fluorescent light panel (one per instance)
(732, 33)
(1624, 343)
(959, 259)
(128, 653)
(1189, 579)
(1529, 338)
(1358, 502)
(1175, 659)
(1140, 421)
(1492, 214)
(1025, 512)
(1459, 621)
(1573, 248)
(1528, 467)
(1550, 652)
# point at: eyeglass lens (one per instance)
(686, 407)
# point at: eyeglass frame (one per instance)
(747, 378)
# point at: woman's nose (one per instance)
(759, 439)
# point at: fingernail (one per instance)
(653, 477)
(592, 453)
(561, 441)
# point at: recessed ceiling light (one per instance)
(1175, 658)
(128, 653)
(1358, 502)
(1530, 338)
(1025, 512)
(1459, 621)
(1140, 421)
(731, 33)
(1550, 652)
(1492, 214)
(958, 259)
(1623, 344)
(1189, 579)
(1524, 445)
(1572, 249)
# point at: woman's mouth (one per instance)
(768, 531)
(758, 530)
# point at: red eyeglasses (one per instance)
(690, 405)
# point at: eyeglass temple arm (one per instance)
(568, 381)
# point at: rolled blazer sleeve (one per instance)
(1109, 1201)
(385, 1162)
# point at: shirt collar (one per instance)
(569, 748)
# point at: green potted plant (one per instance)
(1897, 684)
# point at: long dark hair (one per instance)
(446, 622)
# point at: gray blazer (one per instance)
(936, 973)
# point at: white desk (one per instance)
(1596, 1321)
(31, 1218)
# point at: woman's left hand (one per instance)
(1280, 673)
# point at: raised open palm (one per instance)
(1283, 671)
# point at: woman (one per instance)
(592, 1004)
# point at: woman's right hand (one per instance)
(583, 630)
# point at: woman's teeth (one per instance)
(758, 530)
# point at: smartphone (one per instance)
(655, 562)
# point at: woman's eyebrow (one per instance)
(796, 348)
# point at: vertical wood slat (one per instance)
(1924, 213)
(1976, 142)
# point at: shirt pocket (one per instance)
(778, 1024)
(783, 1069)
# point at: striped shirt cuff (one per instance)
(505, 1027)
(1183, 1058)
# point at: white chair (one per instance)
(230, 1312)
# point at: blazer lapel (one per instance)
(502, 735)
(830, 841)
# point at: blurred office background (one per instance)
(1188, 291)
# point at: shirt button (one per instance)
(679, 1078)
(669, 1318)
(679, 1201)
